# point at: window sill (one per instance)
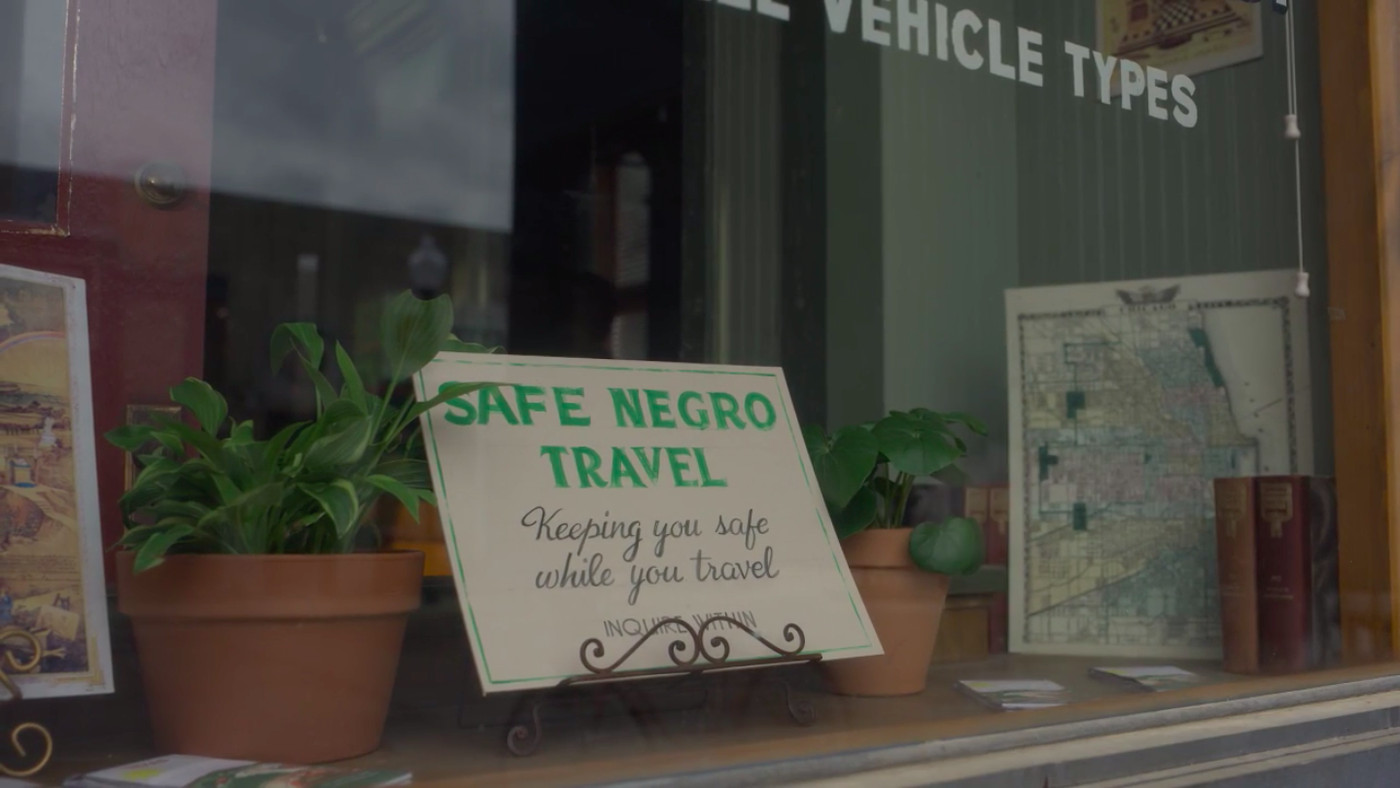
(743, 728)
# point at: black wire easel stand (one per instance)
(694, 652)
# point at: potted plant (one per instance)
(264, 631)
(867, 473)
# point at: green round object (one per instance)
(953, 547)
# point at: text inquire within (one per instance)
(589, 499)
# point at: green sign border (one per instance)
(446, 512)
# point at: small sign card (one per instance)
(1153, 678)
(592, 499)
(1016, 694)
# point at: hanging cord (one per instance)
(1292, 132)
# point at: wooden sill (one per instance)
(847, 725)
(744, 724)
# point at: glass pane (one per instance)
(31, 107)
(1041, 262)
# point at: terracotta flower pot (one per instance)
(905, 604)
(287, 658)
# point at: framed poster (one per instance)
(1181, 36)
(51, 582)
(597, 499)
(1126, 400)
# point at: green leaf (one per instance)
(169, 510)
(447, 392)
(339, 501)
(149, 474)
(949, 548)
(855, 516)
(134, 537)
(971, 422)
(885, 488)
(228, 491)
(406, 496)
(130, 438)
(203, 442)
(142, 495)
(354, 388)
(170, 441)
(301, 338)
(915, 445)
(410, 473)
(413, 331)
(342, 433)
(325, 392)
(240, 435)
(953, 476)
(924, 414)
(152, 552)
(842, 462)
(455, 345)
(257, 506)
(207, 405)
(272, 453)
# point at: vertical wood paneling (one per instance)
(948, 143)
(1112, 194)
(744, 188)
(854, 232)
(1216, 198)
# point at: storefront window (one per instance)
(1082, 244)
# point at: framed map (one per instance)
(51, 583)
(1127, 399)
(1181, 36)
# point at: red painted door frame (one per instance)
(138, 88)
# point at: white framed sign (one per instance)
(591, 499)
(51, 579)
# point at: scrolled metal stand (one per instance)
(695, 651)
(12, 640)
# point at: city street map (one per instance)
(1127, 399)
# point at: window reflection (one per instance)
(31, 107)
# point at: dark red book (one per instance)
(997, 624)
(1283, 565)
(990, 507)
(998, 521)
(977, 506)
(1239, 591)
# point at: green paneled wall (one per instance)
(949, 142)
(1108, 194)
(988, 184)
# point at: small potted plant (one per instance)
(265, 631)
(867, 473)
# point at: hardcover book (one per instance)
(1239, 594)
(1283, 563)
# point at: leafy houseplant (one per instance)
(867, 473)
(214, 488)
(263, 633)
